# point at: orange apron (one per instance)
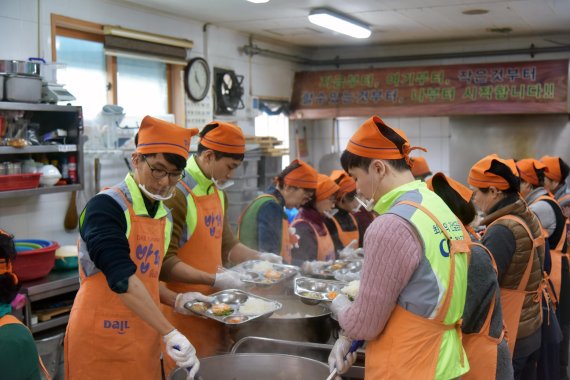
(346, 237)
(480, 347)
(202, 251)
(556, 254)
(409, 346)
(105, 339)
(285, 247)
(512, 299)
(325, 245)
(11, 320)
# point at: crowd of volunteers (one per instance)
(457, 281)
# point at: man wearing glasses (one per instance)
(115, 326)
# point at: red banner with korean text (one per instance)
(466, 89)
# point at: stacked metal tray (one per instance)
(261, 272)
(232, 307)
(316, 290)
(332, 269)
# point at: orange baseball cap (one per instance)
(325, 187)
(462, 190)
(369, 141)
(159, 136)
(527, 170)
(420, 166)
(304, 176)
(226, 138)
(554, 172)
(345, 182)
(480, 177)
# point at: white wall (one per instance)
(42, 216)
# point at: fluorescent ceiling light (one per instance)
(258, 1)
(339, 23)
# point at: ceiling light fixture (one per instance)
(339, 22)
(258, 1)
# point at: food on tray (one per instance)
(234, 320)
(313, 295)
(262, 266)
(351, 290)
(221, 309)
(332, 295)
(273, 274)
(337, 266)
(199, 307)
(255, 306)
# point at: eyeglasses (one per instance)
(160, 173)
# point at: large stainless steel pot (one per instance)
(256, 367)
(8, 66)
(295, 321)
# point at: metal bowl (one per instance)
(231, 296)
(260, 367)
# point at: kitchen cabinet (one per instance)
(58, 132)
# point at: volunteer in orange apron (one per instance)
(263, 224)
(546, 208)
(414, 274)
(194, 259)
(483, 331)
(343, 226)
(315, 242)
(420, 168)
(19, 358)
(519, 257)
(115, 326)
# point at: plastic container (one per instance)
(66, 257)
(35, 263)
(19, 181)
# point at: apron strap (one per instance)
(461, 246)
(472, 231)
(560, 244)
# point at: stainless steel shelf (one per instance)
(53, 284)
(54, 322)
(39, 149)
(39, 191)
(15, 106)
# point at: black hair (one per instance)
(464, 210)
(178, 161)
(8, 287)
(350, 160)
(564, 169)
(540, 176)
(502, 170)
(217, 154)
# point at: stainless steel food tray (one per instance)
(313, 289)
(235, 299)
(251, 274)
(328, 269)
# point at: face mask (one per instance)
(330, 214)
(156, 197)
(368, 204)
(224, 185)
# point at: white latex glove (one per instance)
(182, 352)
(271, 257)
(183, 298)
(293, 237)
(312, 266)
(350, 252)
(339, 304)
(228, 280)
(337, 356)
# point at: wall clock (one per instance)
(197, 79)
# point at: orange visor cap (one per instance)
(527, 170)
(420, 167)
(345, 182)
(226, 138)
(369, 142)
(480, 177)
(553, 170)
(304, 176)
(325, 187)
(159, 136)
(462, 190)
